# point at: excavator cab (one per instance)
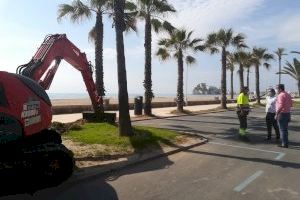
(3, 100)
(28, 147)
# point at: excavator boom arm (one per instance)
(57, 47)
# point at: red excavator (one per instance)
(54, 49)
(27, 145)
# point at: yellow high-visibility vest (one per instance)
(243, 102)
(242, 99)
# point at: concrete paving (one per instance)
(159, 112)
(225, 168)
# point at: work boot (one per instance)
(242, 132)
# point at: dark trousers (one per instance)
(271, 121)
(283, 122)
(243, 120)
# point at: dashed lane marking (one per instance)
(246, 182)
(278, 157)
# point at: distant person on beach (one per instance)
(271, 112)
(243, 110)
(283, 114)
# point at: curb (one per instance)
(82, 176)
(182, 115)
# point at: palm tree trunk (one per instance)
(125, 128)
(99, 57)
(231, 83)
(180, 96)
(241, 73)
(257, 84)
(299, 88)
(223, 80)
(148, 73)
(279, 75)
(248, 77)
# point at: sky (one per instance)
(266, 23)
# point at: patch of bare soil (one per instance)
(97, 154)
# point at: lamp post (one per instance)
(186, 86)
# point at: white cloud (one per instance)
(203, 16)
(289, 30)
(282, 29)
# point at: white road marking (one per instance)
(278, 157)
(246, 182)
(225, 136)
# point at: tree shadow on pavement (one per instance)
(97, 186)
(201, 121)
(282, 164)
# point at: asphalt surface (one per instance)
(224, 168)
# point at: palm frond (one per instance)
(189, 34)
(163, 54)
(239, 41)
(130, 6)
(212, 39)
(130, 21)
(200, 48)
(298, 52)
(162, 7)
(222, 37)
(156, 25)
(180, 35)
(190, 60)
(92, 34)
(289, 67)
(268, 57)
(280, 52)
(213, 50)
(289, 73)
(228, 36)
(77, 11)
(267, 65)
(167, 26)
(293, 69)
(98, 4)
(163, 42)
(195, 42)
(63, 10)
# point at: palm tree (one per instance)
(260, 57)
(298, 52)
(78, 11)
(248, 64)
(150, 11)
(178, 45)
(280, 52)
(293, 69)
(125, 128)
(220, 41)
(241, 57)
(230, 66)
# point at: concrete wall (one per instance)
(80, 108)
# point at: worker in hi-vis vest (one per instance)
(243, 110)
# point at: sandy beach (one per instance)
(86, 101)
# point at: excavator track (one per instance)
(50, 164)
(35, 166)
